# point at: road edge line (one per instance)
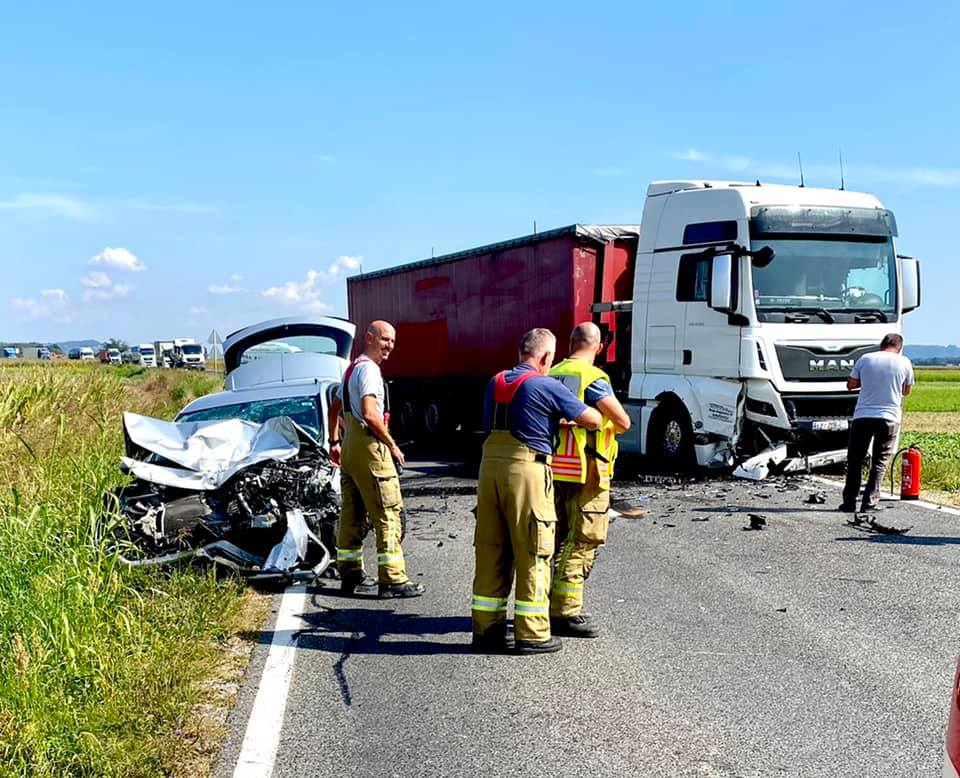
(262, 737)
(931, 506)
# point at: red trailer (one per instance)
(459, 317)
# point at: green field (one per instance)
(931, 420)
(101, 668)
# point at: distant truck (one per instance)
(111, 356)
(189, 354)
(10, 352)
(163, 353)
(36, 352)
(144, 355)
(731, 318)
(84, 354)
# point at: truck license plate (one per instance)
(831, 425)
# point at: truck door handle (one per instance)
(687, 357)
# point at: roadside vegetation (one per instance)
(101, 668)
(931, 421)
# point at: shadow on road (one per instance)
(904, 540)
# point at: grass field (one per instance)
(931, 420)
(101, 668)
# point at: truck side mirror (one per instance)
(910, 280)
(721, 283)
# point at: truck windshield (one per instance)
(303, 410)
(191, 348)
(829, 280)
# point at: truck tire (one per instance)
(407, 418)
(437, 417)
(670, 438)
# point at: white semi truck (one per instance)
(187, 353)
(733, 314)
(145, 355)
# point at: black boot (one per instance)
(579, 626)
(405, 589)
(525, 647)
(352, 581)
(497, 639)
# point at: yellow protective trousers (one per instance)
(370, 487)
(584, 514)
(516, 529)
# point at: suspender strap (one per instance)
(503, 393)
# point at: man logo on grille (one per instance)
(830, 365)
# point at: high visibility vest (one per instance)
(578, 449)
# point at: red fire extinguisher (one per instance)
(909, 473)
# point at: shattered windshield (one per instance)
(303, 410)
(840, 276)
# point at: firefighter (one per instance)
(516, 522)
(582, 468)
(369, 482)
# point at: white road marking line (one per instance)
(262, 738)
(922, 503)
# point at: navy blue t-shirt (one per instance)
(536, 409)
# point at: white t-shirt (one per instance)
(882, 376)
(365, 379)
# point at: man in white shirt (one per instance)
(884, 378)
(370, 485)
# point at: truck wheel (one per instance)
(435, 417)
(407, 418)
(670, 439)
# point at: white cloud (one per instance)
(236, 277)
(120, 258)
(53, 204)
(691, 155)
(302, 295)
(338, 266)
(226, 289)
(99, 286)
(199, 310)
(30, 308)
(53, 304)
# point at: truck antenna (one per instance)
(840, 151)
(534, 226)
(800, 163)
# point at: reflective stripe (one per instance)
(489, 604)
(349, 554)
(571, 589)
(389, 558)
(524, 608)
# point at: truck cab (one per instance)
(187, 353)
(144, 355)
(750, 305)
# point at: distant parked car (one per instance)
(298, 382)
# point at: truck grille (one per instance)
(822, 406)
(799, 363)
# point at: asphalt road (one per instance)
(809, 648)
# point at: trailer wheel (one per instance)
(670, 439)
(407, 418)
(436, 417)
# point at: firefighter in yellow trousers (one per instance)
(582, 469)
(370, 485)
(516, 522)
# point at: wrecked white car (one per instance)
(241, 477)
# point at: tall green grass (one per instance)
(935, 397)
(99, 666)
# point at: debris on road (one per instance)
(758, 467)
(816, 498)
(631, 508)
(700, 518)
(255, 498)
(757, 521)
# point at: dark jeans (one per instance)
(884, 434)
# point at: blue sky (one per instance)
(171, 169)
